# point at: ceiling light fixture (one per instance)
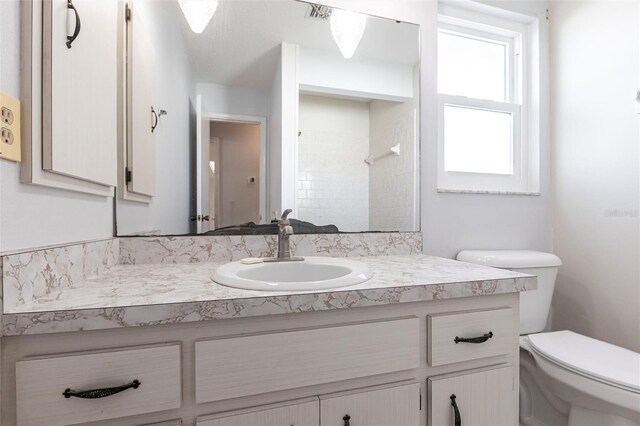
(347, 29)
(198, 13)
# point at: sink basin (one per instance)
(313, 273)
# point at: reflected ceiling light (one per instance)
(198, 13)
(347, 29)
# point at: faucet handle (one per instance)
(285, 214)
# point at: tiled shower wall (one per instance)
(393, 181)
(332, 182)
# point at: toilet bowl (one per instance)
(566, 378)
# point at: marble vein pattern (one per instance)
(195, 249)
(31, 275)
(147, 294)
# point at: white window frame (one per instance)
(519, 36)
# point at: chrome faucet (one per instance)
(285, 230)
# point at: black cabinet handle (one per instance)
(100, 393)
(480, 339)
(154, 119)
(346, 419)
(456, 412)
(76, 31)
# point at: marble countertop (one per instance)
(149, 294)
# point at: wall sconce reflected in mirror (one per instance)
(347, 29)
(198, 13)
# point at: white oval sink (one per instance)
(312, 273)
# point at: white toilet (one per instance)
(565, 378)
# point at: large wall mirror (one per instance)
(238, 110)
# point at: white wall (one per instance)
(596, 159)
(221, 99)
(332, 182)
(238, 158)
(451, 222)
(328, 72)
(274, 145)
(170, 210)
(393, 183)
(32, 216)
(283, 132)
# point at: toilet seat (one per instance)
(587, 374)
(594, 359)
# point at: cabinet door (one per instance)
(80, 89)
(141, 87)
(294, 413)
(380, 406)
(483, 398)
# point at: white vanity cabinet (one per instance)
(348, 367)
(478, 398)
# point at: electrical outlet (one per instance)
(6, 115)
(6, 136)
(9, 127)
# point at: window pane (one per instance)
(471, 67)
(477, 141)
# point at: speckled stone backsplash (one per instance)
(33, 274)
(142, 250)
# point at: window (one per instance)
(484, 104)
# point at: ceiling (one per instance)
(239, 47)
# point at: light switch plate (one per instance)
(9, 127)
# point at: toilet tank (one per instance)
(534, 305)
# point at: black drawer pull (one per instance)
(76, 31)
(480, 339)
(346, 419)
(100, 393)
(456, 412)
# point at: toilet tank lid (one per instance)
(510, 258)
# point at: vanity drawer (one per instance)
(254, 364)
(487, 333)
(42, 381)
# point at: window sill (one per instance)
(473, 191)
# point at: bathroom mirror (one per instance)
(238, 110)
